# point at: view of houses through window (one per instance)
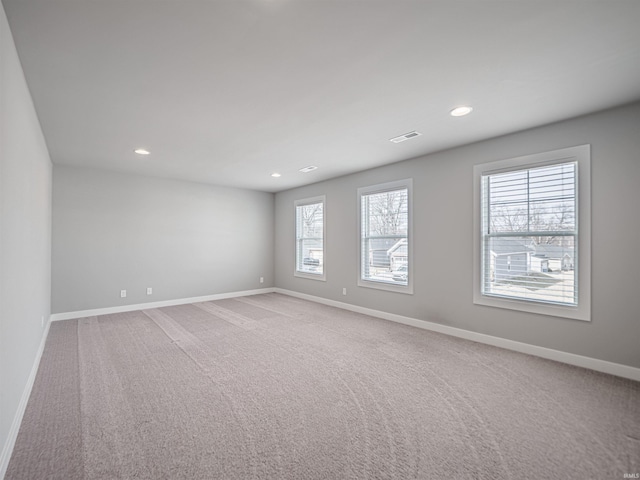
(529, 234)
(310, 237)
(384, 236)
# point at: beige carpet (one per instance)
(273, 387)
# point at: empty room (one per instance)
(319, 239)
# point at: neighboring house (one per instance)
(550, 250)
(539, 263)
(567, 261)
(398, 254)
(378, 252)
(510, 258)
(312, 253)
(508, 265)
(556, 252)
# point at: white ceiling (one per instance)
(227, 92)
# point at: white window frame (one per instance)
(582, 156)
(381, 188)
(300, 203)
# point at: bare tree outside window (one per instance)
(388, 213)
(539, 218)
(312, 219)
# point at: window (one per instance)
(532, 233)
(385, 236)
(310, 238)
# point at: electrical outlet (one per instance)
(344, 291)
(149, 291)
(261, 279)
(123, 293)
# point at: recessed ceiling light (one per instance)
(404, 137)
(142, 151)
(461, 111)
(308, 169)
(275, 175)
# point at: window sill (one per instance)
(563, 311)
(389, 287)
(310, 276)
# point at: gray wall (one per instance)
(25, 233)
(115, 232)
(443, 217)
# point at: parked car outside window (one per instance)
(401, 274)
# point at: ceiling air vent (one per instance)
(404, 137)
(308, 169)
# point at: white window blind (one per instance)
(530, 234)
(310, 237)
(385, 236)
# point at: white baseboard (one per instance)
(7, 449)
(163, 303)
(604, 366)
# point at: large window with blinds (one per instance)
(532, 236)
(385, 236)
(310, 226)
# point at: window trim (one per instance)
(301, 203)
(580, 154)
(381, 188)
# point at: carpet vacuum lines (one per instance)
(276, 387)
